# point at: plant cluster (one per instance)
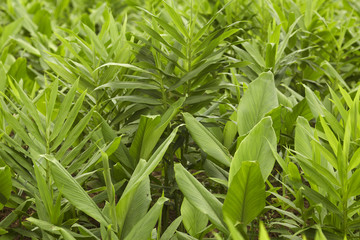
(221, 119)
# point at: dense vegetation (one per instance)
(179, 119)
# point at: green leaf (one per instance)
(303, 136)
(206, 140)
(10, 30)
(194, 220)
(256, 146)
(284, 43)
(176, 19)
(62, 71)
(127, 85)
(70, 119)
(142, 171)
(138, 206)
(246, 195)
(110, 190)
(169, 232)
(143, 228)
(74, 133)
(150, 130)
(355, 160)
(330, 136)
(20, 131)
(137, 99)
(314, 103)
(5, 186)
(332, 73)
(71, 189)
(64, 110)
(354, 184)
(124, 65)
(263, 235)
(200, 197)
(230, 130)
(67, 234)
(31, 108)
(51, 104)
(45, 192)
(254, 53)
(259, 99)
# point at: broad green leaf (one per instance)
(3, 231)
(143, 228)
(170, 230)
(71, 189)
(303, 136)
(5, 186)
(270, 55)
(245, 198)
(183, 236)
(314, 103)
(206, 140)
(194, 220)
(150, 130)
(235, 234)
(263, 235)
(259, 99)
(42, 19)
(319, 234)
(200, 197)
(256, 146)
(10, 30)
(67, 234)
(138, 206)
(142, 171)
(230, 130)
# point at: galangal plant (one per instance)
(328, 157)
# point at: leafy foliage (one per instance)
(179, 119)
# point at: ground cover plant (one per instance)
(179, 119)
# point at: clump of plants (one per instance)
(179, 119)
